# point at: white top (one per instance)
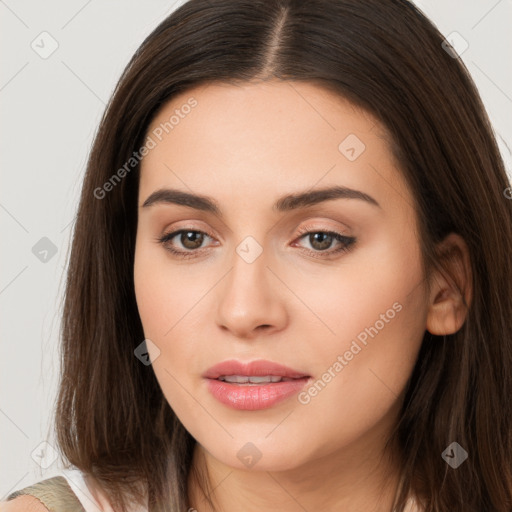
(89, 498)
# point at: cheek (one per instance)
(369, 287)
(171, 301)
(165, 292)
(165, 301)
(361, 377)
(376, 313)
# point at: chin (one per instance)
(260, 454)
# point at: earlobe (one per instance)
(451, 288)
(446, 316)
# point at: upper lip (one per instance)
(258, 368)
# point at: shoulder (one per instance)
(52, 494)
(71, 491)
(24, 503)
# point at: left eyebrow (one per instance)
(312, 197)
(284, 204)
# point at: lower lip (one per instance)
(255, 397)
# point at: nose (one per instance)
(250, 300)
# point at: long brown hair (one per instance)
(385, 56)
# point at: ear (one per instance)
(451, 288)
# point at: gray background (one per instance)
(50, 110)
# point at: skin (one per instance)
(245, 147)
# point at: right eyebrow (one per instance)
(173, 196)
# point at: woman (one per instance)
(289, 287)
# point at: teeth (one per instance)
(244, 379)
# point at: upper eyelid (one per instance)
(302, 231)
(341, 229)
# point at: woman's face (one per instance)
(249, 170)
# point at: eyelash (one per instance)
(346, 242)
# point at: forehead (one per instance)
(264, 136)
(259, 111)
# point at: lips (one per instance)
(259, 368)
(253, 380)
(254, 385)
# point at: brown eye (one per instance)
(326, 243)
(191, 239)
(184, 242)
(321, 241)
